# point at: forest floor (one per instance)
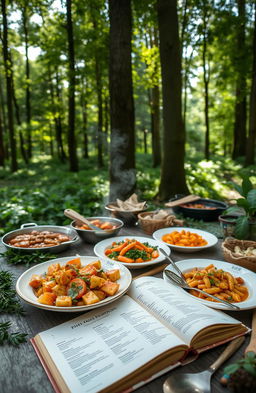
(41, 191)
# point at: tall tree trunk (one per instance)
(239, 145)
(250, 151)
(73, 161)
(7, 65)
(184, 25)
(206, 77)
(2, 155)
(155, 126)
(122, 149)
(84, 117)
(100, 112)
(51, 141)
(28, 93)
(98, 78)
(59, 128)
(4, 123)
(172, 169)
(155, 110)
(106, 124)
(17, 115)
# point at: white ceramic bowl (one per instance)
(209, 237)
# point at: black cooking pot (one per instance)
(201, 214)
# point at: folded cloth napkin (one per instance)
(170, 219)
(130, 204)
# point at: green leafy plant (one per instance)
(15, 258)
(248, 363)
(8, 299)
(245, 207)
(10, 338)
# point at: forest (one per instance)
(99, 99)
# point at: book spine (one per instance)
(46, 369)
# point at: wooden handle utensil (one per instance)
(81, 219)
(151, 272)
(187, 199)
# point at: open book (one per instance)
(140, 336)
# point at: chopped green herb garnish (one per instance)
(134, 254)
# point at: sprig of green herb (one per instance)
(11, 338)
(248, 363)
(15, 258)
(8, 298)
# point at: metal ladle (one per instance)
(77, 217)
(199, 382)
(180, 282)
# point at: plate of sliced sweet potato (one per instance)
(73, 284)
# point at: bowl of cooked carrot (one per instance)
(132, 252)
(185, 239)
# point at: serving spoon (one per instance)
(179, 281)
(173, 265)
(79, 218)
(199, 382)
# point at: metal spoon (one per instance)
(199, 382)
(173, 264)
(177, 280)
(77, 217)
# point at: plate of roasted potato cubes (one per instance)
(73, 284)
(230, 282)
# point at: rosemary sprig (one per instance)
(8, 298)
(11, 338)
(15, 258)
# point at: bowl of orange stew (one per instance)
(185, 239)
(202, 209)
(108, 227)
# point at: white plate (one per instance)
(100, 248)
(209, 237)
(26, 292)
(237, 271)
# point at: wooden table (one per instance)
(20, 369)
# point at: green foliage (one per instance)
(9, 302)
(41, 192)
(16, 257)
(248, 363)
(245, 206)
(11, 338)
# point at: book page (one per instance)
(97, 349)
(183, 315)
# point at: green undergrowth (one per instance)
(40, 192)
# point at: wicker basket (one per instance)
(149, 225)
(228, 246)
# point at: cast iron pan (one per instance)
(202, 214)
